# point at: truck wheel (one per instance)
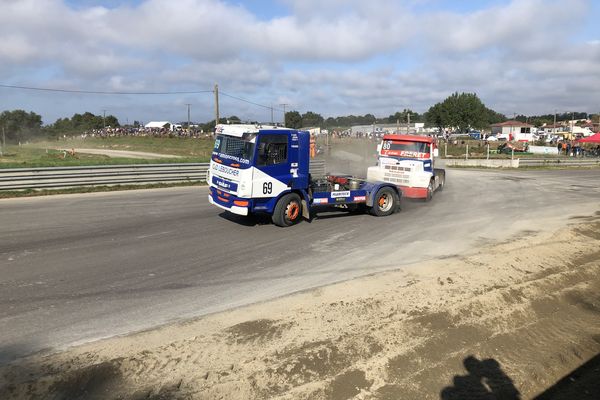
(385, 202)
(442, 182)
(429, 191)
(288, 210)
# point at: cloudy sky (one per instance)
(334, 57)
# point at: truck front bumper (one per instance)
(228, 202)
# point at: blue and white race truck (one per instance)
(265, 169)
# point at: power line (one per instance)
(100, 91)
(249, 102)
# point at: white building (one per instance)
(584, 131)
(402, 128)
(514, 130)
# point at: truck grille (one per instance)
(397, 174)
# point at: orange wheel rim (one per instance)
(293, 211)
(381, 201)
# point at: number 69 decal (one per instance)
(267, 187)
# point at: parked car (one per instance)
(517, 147)
(475, 134)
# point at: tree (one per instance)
(234, 120)
(368, 119)
(403, 116)
(312, 119)
(462, 111)
(20, 125)
(435, 116)
(112, 121)
(80, 123)
(293, 120)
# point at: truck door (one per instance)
(272, 174)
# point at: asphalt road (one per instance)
(75, 268)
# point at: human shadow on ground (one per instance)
(582, 383)
(484, 380)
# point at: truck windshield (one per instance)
(237, 149)
(405, 149)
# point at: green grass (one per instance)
(184, 147)
(45, 154)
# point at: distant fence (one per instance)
(483, 163)
(566, 162)
(522, 162)
(102, 175)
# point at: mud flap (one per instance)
(305, 211)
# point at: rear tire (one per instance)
(442, 182)
(288, 210)
(386, 201)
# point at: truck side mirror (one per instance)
(379, 147)
(436, 152)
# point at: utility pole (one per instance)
(408, 122)
(511, 127)
(284, 105)
(3, 140)
(104, 119)
(272, 122)
(188, 107)
(216, 104)
(554, 126)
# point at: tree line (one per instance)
(539, 120)
(459, 111)
(462, 111)
(20, 126)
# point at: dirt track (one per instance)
(509, 321)
(123, 153)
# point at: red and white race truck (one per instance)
(408, 162)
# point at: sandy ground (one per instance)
(508, 320)
(123, 153)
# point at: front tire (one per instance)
(386, 201)
(288, 210)
(429, 191)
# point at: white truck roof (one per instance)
(239, 129)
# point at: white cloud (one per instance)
(335, 57)
(529, 25)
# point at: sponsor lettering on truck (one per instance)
(408, 161)
(266, 169)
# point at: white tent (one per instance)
(158, 124)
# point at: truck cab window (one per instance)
(272, 149)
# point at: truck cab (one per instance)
(265, 169)
(251, 166)
(408, 161)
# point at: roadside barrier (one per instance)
(102, 175)
(571, 162)
(522, 162)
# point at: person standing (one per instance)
(313, 146)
